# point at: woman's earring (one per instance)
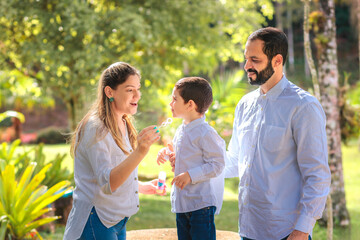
(111, 99)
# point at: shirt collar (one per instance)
(194, 123)
(275, 91)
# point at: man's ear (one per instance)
(278, 60)
(108, 92)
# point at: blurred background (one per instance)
(52, 53)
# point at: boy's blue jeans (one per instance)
(196, 225)
(94, 229)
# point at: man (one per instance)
(278, 148)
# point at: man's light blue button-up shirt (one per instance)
(278, 150)
(200, 151)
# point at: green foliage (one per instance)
(349, 111)
(10, 155)
(3, 226)
(5, 117)
(354, 95)
(24, 200)
(55, 173)
(19, 91)
(52, 135)
(227, 92)
(65, 45)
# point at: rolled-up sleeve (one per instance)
(98, 154)
(309, 128)
(213, 147)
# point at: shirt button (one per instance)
(131, 150)
(247, 185)
(264, 97)
(261, 109)
(136, 192)
(253, 146)
(137, 206)
(135, 178)
(249, 166)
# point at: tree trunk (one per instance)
(306, 65)
(329, 86)
(278, 15)
(307, 47)
(71, 108)
(358, 25)
(290, 35)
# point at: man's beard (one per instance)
(262, 76)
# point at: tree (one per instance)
(310, 60)
(19, 92)
(65, 45)
(325, 40)
(290, 34)
(308, 53)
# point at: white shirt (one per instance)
(200, 151)
(279, 151)
(93, 162)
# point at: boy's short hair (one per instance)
(197, 89)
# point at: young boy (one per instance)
(198, 187)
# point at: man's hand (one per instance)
(181, 180)
(298, 235)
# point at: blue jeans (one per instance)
(94, 229)
(244, 238)
(196, 225)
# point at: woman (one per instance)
(107, 151)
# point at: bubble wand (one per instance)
(165, 123)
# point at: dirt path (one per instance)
(170, 234)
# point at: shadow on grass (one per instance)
(155, 212)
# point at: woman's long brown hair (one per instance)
(113, 76)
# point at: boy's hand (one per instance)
(162, 156)
(172, 161)
(172, 156)
(181, 180)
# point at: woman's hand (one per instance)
(146, 138)
(150, 187)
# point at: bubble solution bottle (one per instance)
(161, 182)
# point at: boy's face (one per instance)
(178, 105)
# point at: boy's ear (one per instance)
(191, 105)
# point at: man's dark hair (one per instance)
(196, 89)
(275, 42)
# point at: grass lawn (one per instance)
(155, 210)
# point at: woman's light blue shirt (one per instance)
(94, 160)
